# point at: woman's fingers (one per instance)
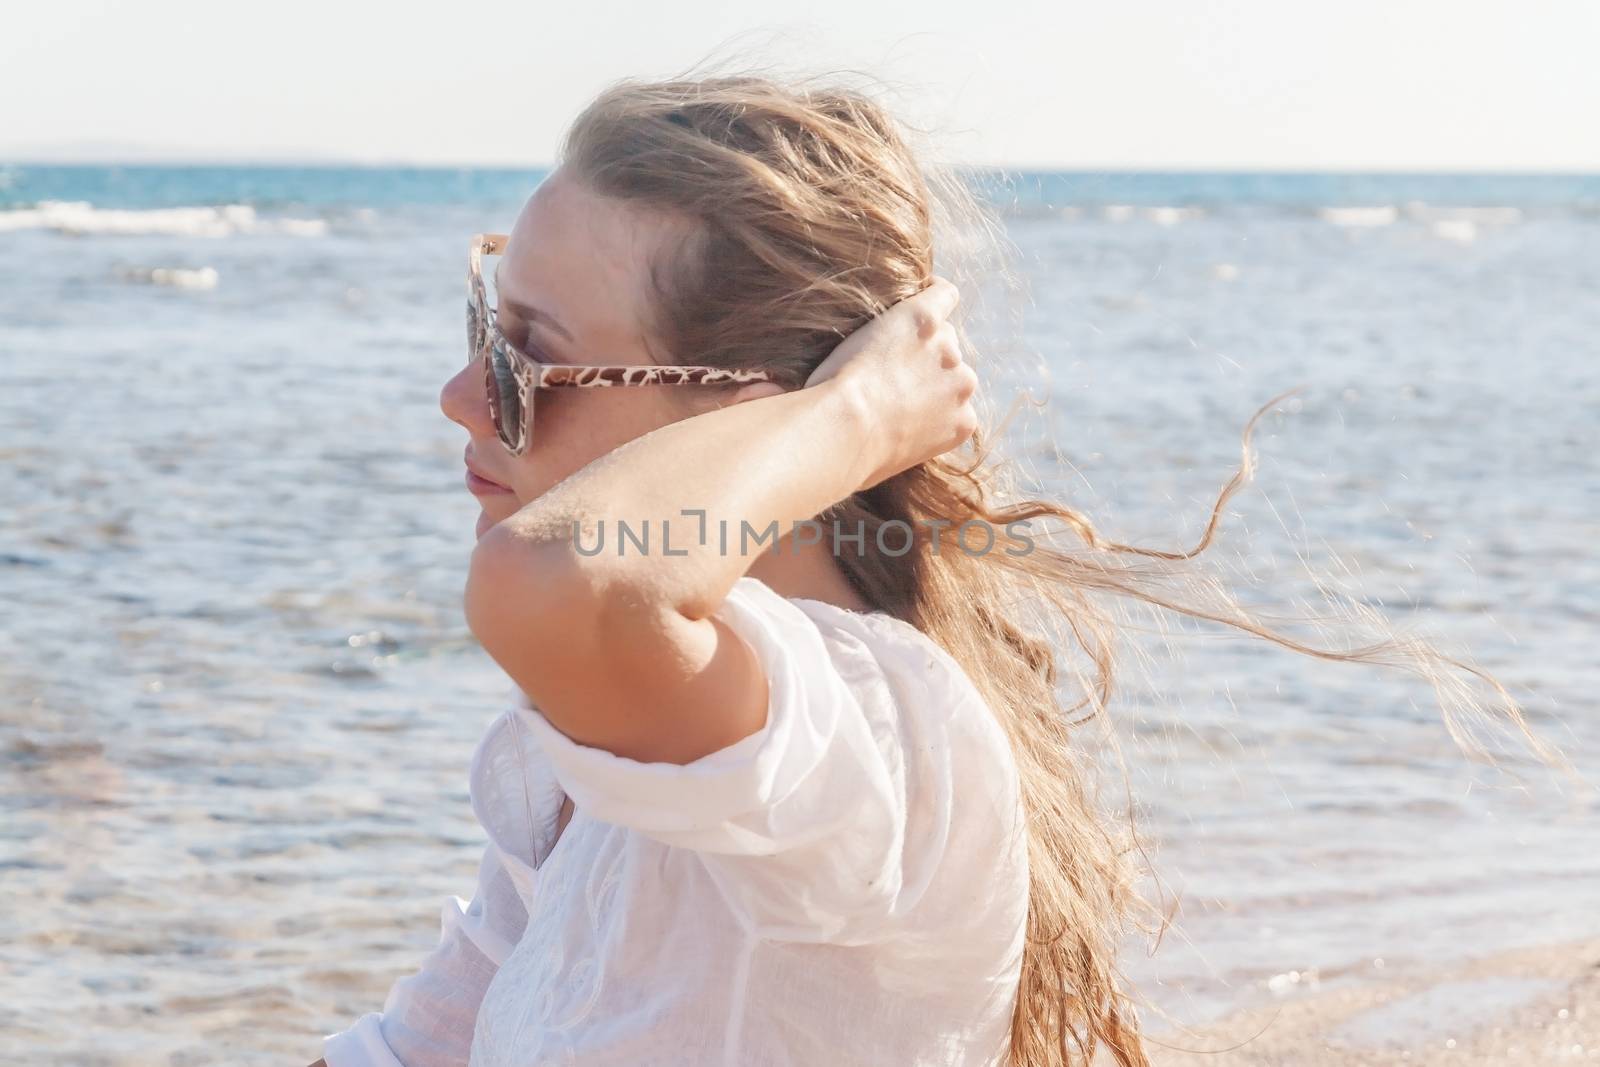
(931, 307)
(950, 347)
(969, 386)
(907, 365)
(923, 315)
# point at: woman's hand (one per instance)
(904, 371)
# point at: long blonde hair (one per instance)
(813, 214)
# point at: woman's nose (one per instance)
(464, 401)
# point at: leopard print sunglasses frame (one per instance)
(510, 375)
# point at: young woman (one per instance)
(786, 778)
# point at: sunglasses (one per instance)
(511, 376)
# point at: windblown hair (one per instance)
(810, 214)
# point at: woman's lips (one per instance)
(482, 486)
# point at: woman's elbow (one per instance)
(523, 596)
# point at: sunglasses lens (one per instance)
(474, 331)
(505, 398)
(499, 377)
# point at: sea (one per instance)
(238, 697)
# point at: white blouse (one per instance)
(847, 885)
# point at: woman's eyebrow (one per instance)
(527, 311)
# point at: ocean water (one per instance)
(239, 697)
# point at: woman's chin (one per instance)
(484, 523)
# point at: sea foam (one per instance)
(79, 217)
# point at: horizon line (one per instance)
(353, 162)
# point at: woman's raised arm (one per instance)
(592, 637)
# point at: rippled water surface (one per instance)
(239, 696)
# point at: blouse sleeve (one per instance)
(800, 824)
(428, 1017)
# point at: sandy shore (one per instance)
(1531, 1006)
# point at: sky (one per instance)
(1397, 85)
